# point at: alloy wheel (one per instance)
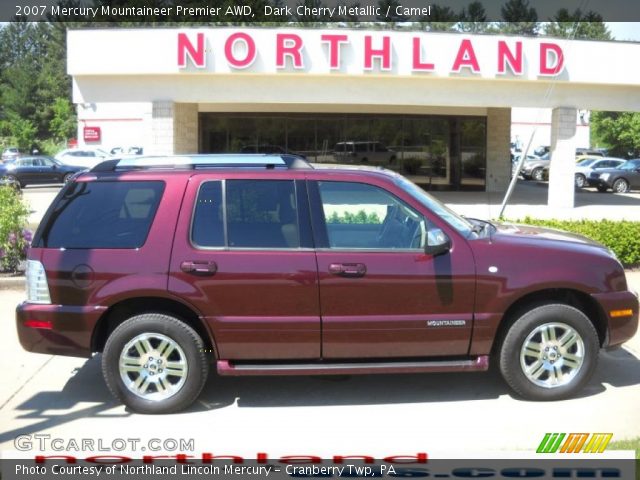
(552, 355)
(153, 366)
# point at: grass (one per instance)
(633, 444)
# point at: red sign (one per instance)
(509, 53)
(91, 134)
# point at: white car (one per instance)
(83, 156)
(588, 165)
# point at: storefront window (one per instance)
(437, 152)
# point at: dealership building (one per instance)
(436, 107)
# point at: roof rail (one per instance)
(194, 162)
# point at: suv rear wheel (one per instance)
(549, 353)
(154, 363)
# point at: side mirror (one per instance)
(438, 243)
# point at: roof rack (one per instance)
(195, 162)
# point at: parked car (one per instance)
(588, 165)
(533, 169)
(10, 153)
(266, 148)
(592, 152)
(541, 150)
(374, 153)
(621, 179)
(264, 265)
(35, 170)
(122, 151)
(85, 156)
(515, 159)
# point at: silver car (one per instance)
(588, 165)
(533, 168)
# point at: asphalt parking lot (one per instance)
(440, 414)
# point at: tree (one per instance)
(32, 78)
(473, 19)
(518, 18)
(390, 6)
(63, 123)
(441, 19)
(577, 25)
(619, 131)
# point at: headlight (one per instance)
(605, 176)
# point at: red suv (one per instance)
(264, 265)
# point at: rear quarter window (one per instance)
(103, 215)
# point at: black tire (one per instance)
(67, 177)
(581, 180)
(188, 384)
(561, 318)
(602, 188)
(14, 182)
(620, 186)
(537, 174)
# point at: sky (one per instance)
(625, 30)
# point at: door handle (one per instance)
(348, 269)
(199, 267)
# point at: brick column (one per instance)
(161, 128)
(563, 158)
(498, 149)
(185, 128)
(174, 128)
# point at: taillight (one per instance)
(37, 286)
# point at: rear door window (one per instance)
(103, 215)
(250, 214)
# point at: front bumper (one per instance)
(69, 329)
(598, 182)
(619, 328)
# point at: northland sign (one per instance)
(373, 51)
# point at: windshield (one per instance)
(452, 218)
(585, 162)
(630, 165)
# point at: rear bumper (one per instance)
(619, 328)
(60, 330)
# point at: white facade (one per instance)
(148, 87)
(536, 122)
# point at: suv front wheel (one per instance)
(549, 353)
(154, 363)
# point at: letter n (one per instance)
(186, 48)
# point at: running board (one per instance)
(478, 364)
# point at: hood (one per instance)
(534, 233)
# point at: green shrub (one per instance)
(623, 237)
(14, 238)
(354, 218)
